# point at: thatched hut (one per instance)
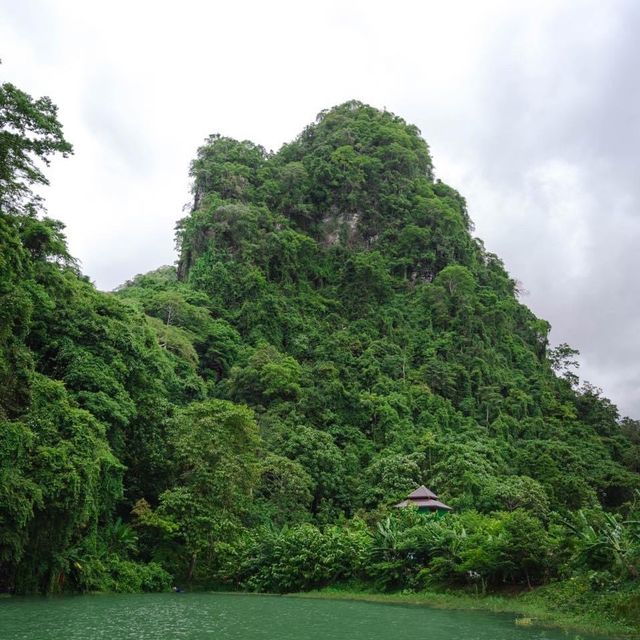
(425, 500)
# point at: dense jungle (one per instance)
(331, 337)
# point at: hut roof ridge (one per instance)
(422, 492)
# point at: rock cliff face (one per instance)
(340, 228)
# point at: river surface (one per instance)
(200, 616)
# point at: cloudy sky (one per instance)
(531, 109)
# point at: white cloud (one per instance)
(532, 110)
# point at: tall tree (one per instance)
(29, 133)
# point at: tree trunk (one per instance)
(192, 566)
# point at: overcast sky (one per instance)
(531, 109)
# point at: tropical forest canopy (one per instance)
(332, 336)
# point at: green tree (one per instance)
(29, 132)
(215, 446)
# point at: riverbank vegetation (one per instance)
(332, 336)
(546, 606)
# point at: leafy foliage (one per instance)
(29, 131)
(332, 336)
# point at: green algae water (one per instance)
(202, 616)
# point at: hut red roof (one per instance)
(424, 498)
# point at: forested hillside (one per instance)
(332, 336)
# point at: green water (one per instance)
(224, 617)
